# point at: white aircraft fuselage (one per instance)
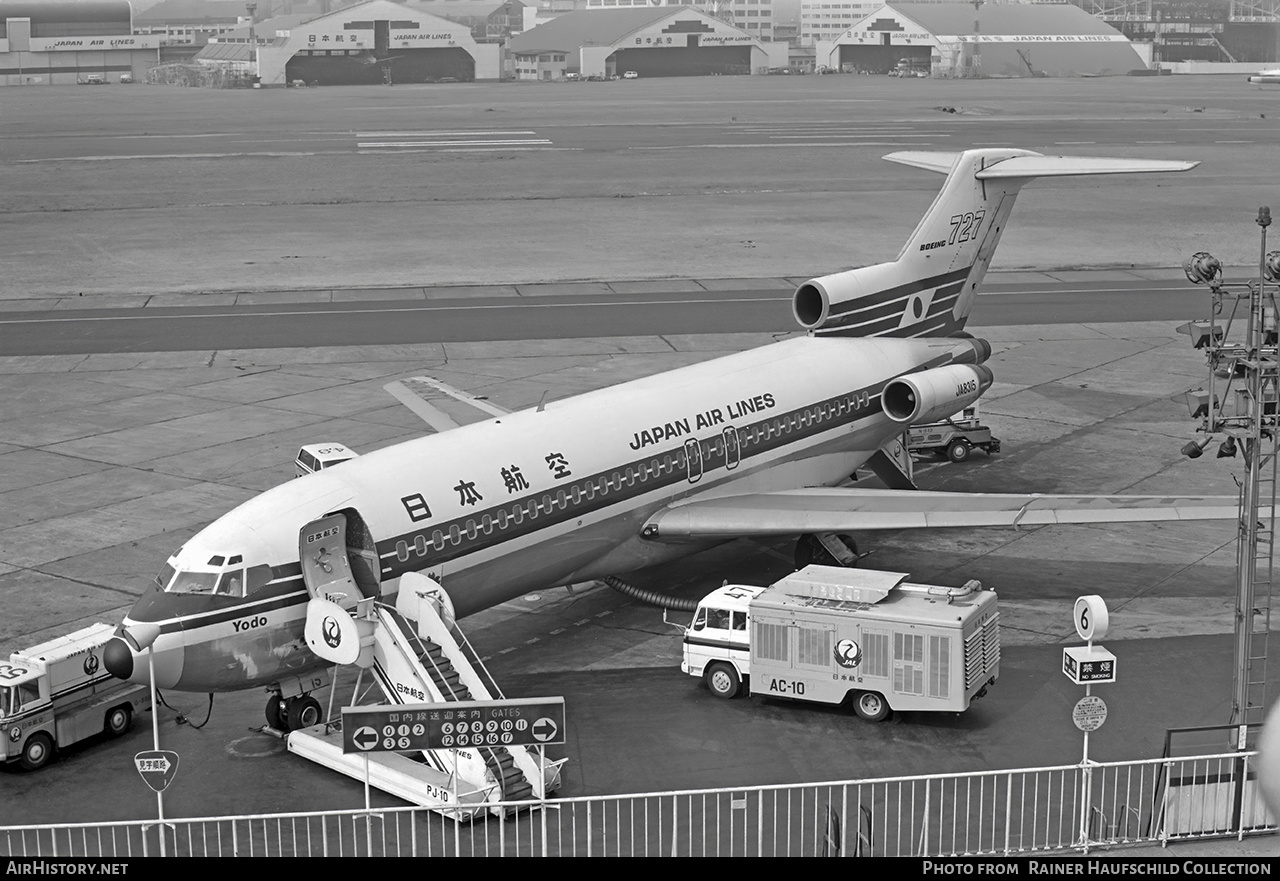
(539, 497)
(579, 489)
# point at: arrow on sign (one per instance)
(158, 767)
(544, 729)
(365, 738)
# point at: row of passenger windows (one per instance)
(667, 465)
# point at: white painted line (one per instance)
(498, 143)
(168, 156)
(436, 134)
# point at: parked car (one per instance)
(126, 78)
(95, 79)
(631, 75)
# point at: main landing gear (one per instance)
(291, 713)
(826, 549)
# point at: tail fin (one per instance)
(929, 289)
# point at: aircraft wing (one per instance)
(441, 405)
(849, 509)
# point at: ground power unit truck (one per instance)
(58, 693)
(830, 634)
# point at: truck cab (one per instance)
(717, 645)
(58, 693)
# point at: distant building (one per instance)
(71, 41)
(652, 42)
(377, 41)
(1197, 30)
(1006, 40)
(824, 20)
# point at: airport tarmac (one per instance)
(110, 459)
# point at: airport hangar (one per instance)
(654, 42)
(357, 45)
(60, 42)
(1004, 40)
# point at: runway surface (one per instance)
(460, 318)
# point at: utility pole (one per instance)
(1241, 403)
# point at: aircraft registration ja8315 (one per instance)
(763, 442)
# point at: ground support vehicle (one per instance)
(59, 693)
(954, 438)
(829, 634)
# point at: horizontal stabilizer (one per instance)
(930, 160)
(1059, 166)
(845, 509)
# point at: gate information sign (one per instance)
(453, 725)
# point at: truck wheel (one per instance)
(870, 706)
(303, 712)
(118, 720)
(723, 680)
(37, 751)
(958, 451)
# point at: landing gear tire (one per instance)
(958, 451)
(37, 752)
(277, 712)
(303, 712)
(723, 680)
(810, 550)
(870, 706)
(118, 720)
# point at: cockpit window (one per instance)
(194, 582)
(164, 576)
(231, 584)
(258, 577)
(217, 560)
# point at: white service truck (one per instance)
(58, 693)
(830, 634)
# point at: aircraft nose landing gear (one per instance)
(289, 714)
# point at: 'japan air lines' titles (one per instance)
(715, 416)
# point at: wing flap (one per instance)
(439, 404)
(850, 509)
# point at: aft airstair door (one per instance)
(322, 545)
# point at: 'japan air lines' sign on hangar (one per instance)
(374, 42)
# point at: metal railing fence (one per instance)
(1065, 809)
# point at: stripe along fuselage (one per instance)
(532, 499)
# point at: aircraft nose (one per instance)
(117, 657)
(126, 654)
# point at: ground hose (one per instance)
(652, 597)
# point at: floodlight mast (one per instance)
(1248, 418)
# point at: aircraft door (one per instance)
(322, 546)
(732, 449)
(693, 454)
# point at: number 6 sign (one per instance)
(1091, 617)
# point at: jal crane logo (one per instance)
(848, 653)
(332, 632)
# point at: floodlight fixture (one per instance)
(1227, 449)
(1203, 268)
(1195, 449)
(1271, 266)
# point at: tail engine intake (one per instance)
(932, 395)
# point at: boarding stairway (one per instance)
(420, 656)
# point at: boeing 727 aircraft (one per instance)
(758, 443)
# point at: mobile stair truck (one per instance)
(830, 634)
(58, 693)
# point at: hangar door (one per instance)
(684, 61)
(882, 58)
(339, 67)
